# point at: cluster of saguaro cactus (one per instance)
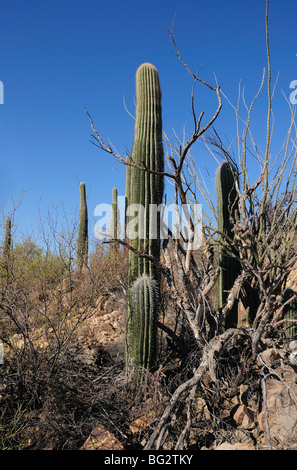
(144, 188)
(82, 238)
(226, 259)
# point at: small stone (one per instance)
(293, 358)
(236, 446)
(244, 417)
(281, 408)
(243, 389)
(243, 437)
(141, 423)
(268, 357)
(101, 439)
(293, 345)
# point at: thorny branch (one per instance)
(98, 142)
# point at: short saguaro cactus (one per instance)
(226, 257)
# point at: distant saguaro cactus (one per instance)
(82, 237)
(230, 267)
(145, 189)
(7, 246)
(7, 238)
(114, 218)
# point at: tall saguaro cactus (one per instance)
(82, 238)
(144, 188)
(230, 267)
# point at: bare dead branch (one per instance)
(210, 352)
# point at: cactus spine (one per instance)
(82, 238)
(145, 189)
(230, 267)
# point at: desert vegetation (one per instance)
(202, 322)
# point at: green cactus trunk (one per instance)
(290, 313)
(230, 267)
(82, 238)
(146, 190)
(142, 328)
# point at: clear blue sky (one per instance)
(59, 56)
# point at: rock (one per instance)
(243, 391)
(141, 423)
(244, 437)
(244, 417)
(268, 357)
(87, 357)
(235, 446)
(201, 409)
(293, 358)
(282, 408)
(293, 355)
(101, 439)
(249, 397)
(107, 328)
(292, 278)
(293, 345)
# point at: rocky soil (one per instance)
(259, 416)
(260, 419)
